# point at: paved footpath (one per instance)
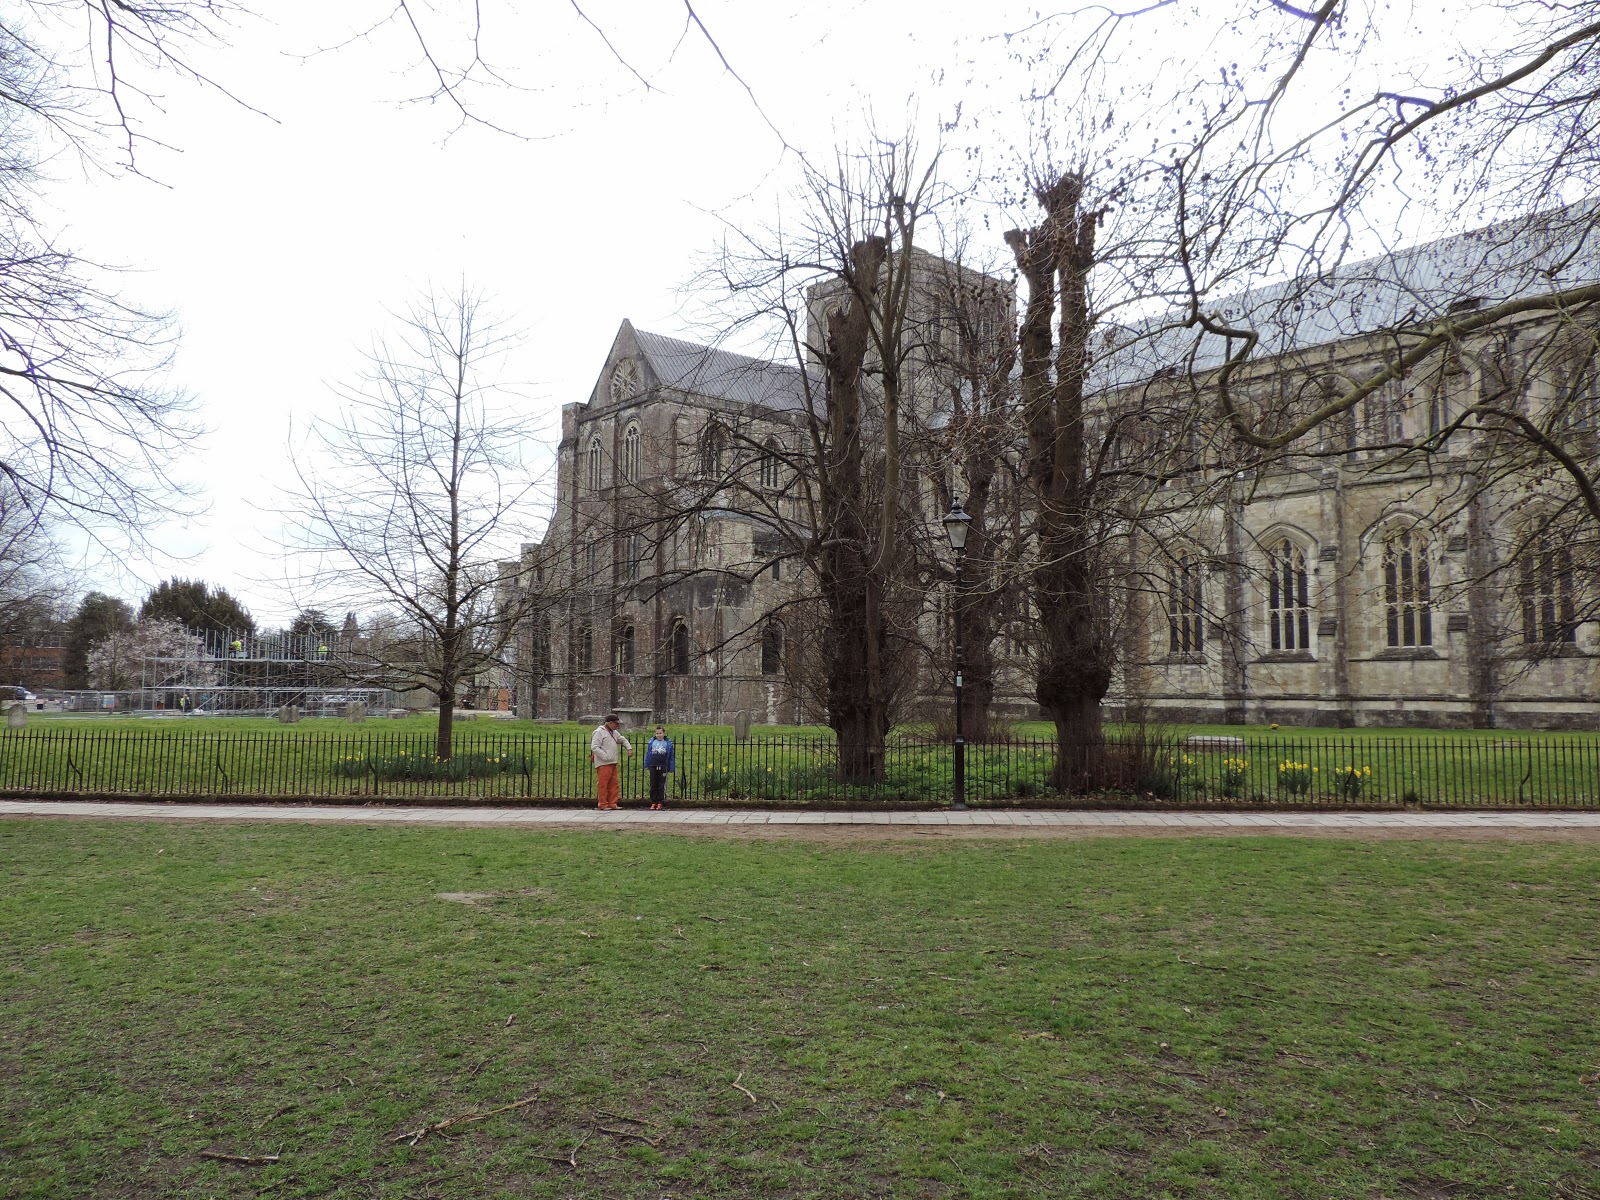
(1014, 818)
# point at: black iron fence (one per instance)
(1344, 771)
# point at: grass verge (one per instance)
(1212, 1018)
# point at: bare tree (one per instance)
(841, 287)
(406, 498)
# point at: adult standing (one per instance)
(606, 745)
(660, 757)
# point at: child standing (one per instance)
(660, 757)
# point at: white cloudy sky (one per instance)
(282, 242)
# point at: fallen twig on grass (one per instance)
(744, 1089)
(416, 1135)
(628, 1133)
(243, 1160)
(1189, 962)
(272, 1117)
(571, 1160)
(510, 1019)
(606, 1112)
(713, 920)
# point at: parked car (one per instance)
(12, 693)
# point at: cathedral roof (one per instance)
(721, 374)
(1542, 253)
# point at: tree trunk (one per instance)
(1076, 647)
(447, 719)
(850, 568)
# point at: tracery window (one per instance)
(625, 651)
(1407, 591)
(1184, 609)
(1288, 598)
(1545, 587)
(630, 453)
(595, 465)
(769, 465)
(585, 647)
(711, 450)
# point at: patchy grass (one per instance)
(1144, 1018)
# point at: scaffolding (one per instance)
(250, 674)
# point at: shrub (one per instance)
(417, 767)
(715, 779)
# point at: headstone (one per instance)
(16, 716)
(283, 714)
(355, 712)
(741, 726)
(396, 714)
(549, 721)
(1214, 743)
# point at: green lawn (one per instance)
(1105, 1018)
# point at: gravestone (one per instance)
(741, 726)
(1214, 743)
(355, 712)
(288, 714)
(16, 716)
(396, 714)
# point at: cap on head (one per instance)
(613, 719)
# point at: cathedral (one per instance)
(1401, 563)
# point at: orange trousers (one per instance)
(608, 786)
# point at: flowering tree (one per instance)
(151, 654)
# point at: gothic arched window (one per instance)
(595, 464)
(680, 646)
(1184, 608)
(1407, 591)
(1583, 395)
(1545, 587)
(772, 649)
(630, 453)
(585, 647)
(1288, 598)
(625, 651)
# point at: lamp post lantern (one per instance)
(956, 523)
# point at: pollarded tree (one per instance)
(407, 497)
(840, 285)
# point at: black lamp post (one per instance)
(955, 527)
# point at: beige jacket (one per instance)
(605, 747)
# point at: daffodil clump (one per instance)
(1235, 771)
(1296, 778)
(715, 778)
(1349, 781)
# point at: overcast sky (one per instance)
(281, 242)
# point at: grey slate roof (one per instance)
(720, 374)
(1542, 253)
